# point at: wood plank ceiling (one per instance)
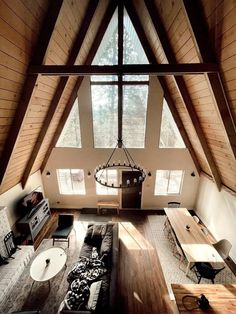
(33, 108)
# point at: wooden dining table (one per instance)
(193, 241)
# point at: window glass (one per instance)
(109, 175)
(107, 53)
(133, 50)
(105, 118)
(168, 182)
(70, 135)
(134, 115)
(71, 181)
(170, 136)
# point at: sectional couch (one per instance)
(93, 279)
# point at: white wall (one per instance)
(218, 212)
(151, 158)
(12, 196)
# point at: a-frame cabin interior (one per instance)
(76, 75)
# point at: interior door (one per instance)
(131, 197)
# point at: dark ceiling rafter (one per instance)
(152, 59)
(60, 88)
(120, 63)
(200, 34)
(125, 69)
(27, 90)
(180, 83)
(98, 38)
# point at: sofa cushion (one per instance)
(95, 234)
(94, 294)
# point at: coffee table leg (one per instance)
(31, 287)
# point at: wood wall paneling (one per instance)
(26, 45)
(78, 37)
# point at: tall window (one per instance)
(134, 115)
(169, 136)
(70, 135)
(168, 182)
(71, 181)
(104, 90)
(105, 125)
(111, 176)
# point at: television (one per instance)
(30, 202)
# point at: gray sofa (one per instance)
(99, 236)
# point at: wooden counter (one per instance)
(222, 298)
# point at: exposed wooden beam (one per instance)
(27, 91)
(60, 88)
(125, 69)
(206, 53)
(152, 59)
(161, 33)
(99, 35)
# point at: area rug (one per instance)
(95, 217)
(25, 296)
(170, 264)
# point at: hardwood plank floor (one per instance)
(141, 286)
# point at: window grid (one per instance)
(168, 182)
(71, 181)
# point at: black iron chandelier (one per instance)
(129, 164)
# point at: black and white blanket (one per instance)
(88, 269)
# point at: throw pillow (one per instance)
(78, 295)
(106, 244)
(99, 231)
(88, 234)
(94, 294)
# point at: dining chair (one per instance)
(167, 225)
(177, 249)
(196, 219)
(65, 225)
(223, 247)
(173, 204)
(205, 270)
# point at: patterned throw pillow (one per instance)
(78, 295)
(94, 294)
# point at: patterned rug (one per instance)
(26, 296)
(170, 264)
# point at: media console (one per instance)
(31, 225)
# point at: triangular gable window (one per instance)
(170, 136)
(104, 90)
(70, 135)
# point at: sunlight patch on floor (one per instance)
(132, 238)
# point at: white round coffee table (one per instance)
(48, 264)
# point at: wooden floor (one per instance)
(141, 285)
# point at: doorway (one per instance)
(131, 197)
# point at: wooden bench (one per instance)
(111, 204)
